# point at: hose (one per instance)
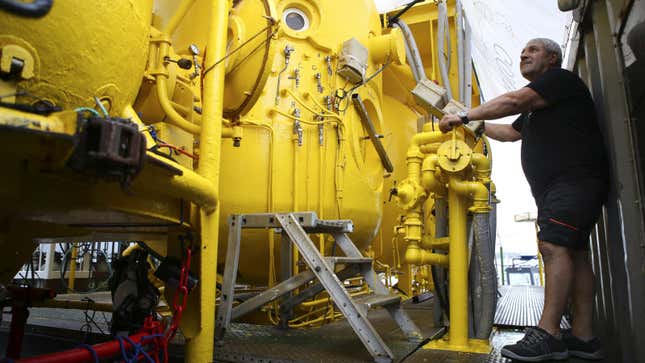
(440, 274)
(411, 51)
(34, 9)
(484, 253)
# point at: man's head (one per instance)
(538, 56)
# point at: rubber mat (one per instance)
(521, 306)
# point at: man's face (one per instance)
(535, 60)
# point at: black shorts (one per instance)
(567, 211)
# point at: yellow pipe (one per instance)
(430, 176)
(173, 116)
(482, 167)
(177, 17)
(458, 268)
(478, 191)
(72, 269)
(73, 304)
(189, 185)
(424, 138)
(418, 256)
(200, 347)
(428, 242)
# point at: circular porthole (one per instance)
(295, 19)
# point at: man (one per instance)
(565, 163)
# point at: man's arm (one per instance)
(502, 132)
(511, 103)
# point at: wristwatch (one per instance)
(463, 115)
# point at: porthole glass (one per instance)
(295, 19)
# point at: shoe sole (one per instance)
(551, 356)
(586, 355)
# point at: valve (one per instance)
(183, 63)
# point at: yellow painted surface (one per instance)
(302, 146)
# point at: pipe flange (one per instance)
(454, 156)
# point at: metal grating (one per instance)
(521, 306)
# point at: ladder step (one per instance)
(373, 300)
(332, 261)
(331, 226)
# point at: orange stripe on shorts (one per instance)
(564, 224)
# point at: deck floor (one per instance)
(58, 329)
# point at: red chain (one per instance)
(153, 327)
(181, 292)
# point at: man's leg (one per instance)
(559, 272)
(583, 294)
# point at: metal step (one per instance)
(333, 261)
(373, 300)
(331, 226)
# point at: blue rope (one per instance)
(137, 348)
(92, 351)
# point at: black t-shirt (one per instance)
(561, 142)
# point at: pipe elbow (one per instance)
(417, 256)
(482, 167)
(424, 138)
(174, 117)
(412, 254)
(475, 189)
(429, 175)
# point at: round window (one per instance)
(295, 19)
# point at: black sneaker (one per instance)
(581, 349)
(536, 346)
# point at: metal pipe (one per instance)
(178, 16)
(458, 269)
(414, 255)
(187, 185)
(173, 116)
(72, 269)
(103, 350)
(459, 25)
(74, 304)
(442, 21)
(468, 64)
(199, 348)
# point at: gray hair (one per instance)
(552, 48)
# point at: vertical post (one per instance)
(286, 271)
(501, 263)
(458, 269)
(72, 269)
(19, 314)
(200, 347)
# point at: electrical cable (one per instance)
(88, 109)
(272, 22)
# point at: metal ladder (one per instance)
(295, 228)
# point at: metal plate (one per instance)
(521, 306)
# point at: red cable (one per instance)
(178, 149)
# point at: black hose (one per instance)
(487, 275)
(34, 9)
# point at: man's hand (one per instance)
(448, 122)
